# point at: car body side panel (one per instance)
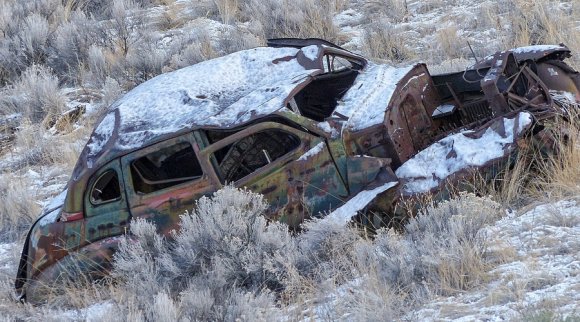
(407, 124)
(95, 259)
(164, 207)
(308, 170)
(107, 219)
(52, 240)
(559, 77)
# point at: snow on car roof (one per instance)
(222, 92)
(537, 48)
(523, 53)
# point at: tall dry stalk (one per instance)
(560, 174)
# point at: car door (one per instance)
(164, 180)
(106, 212)
(292, 169)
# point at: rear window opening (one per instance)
(166, 167)
(253, 152)
(106, 188)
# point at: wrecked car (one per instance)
(313, 127)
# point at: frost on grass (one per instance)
(227, 261)
(36, 94)
(538, 274)
(223, 250)
(442, 251)
(17, 206)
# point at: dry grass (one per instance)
(540, 22)
(539, 171)
(304, 18)
(393, 10)
(449, 42)
(546, 171)
(35, 145)
(382, 41)
(50, 157)
(18, 208)
(173, 16)
(560, 174)
(228, 10)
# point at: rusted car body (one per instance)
(304, 122)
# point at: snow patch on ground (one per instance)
(541, 271)
(7, 264)
(96, 312)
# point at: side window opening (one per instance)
(106, 188)
(252, 152)
(214, 136)
(334, 63)
(166, 167)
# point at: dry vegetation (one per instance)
(57, 54)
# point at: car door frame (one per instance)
(206, 156)
(114, 216)
(146, 205)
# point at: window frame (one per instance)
(329, 56)
(128, 160)
(94, 183)
(208, 152)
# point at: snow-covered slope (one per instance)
(538, 270)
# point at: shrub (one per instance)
(192, 49)
(33, 37)
(227, 258)
(98, 68)
(36, 95)
(18, 208)
(442, 251)
(391, 10)
(71, 45)
(146, 61)
(385, 42)
(222, 250)
(280, 18)
(125, 26)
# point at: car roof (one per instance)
(220, 93)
